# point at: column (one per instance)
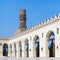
(17, 49)
(23, 50)
(9, 53)
(31, 54)
(1, 49)
(57, 45)
(13, 54)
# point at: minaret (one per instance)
(22, 20)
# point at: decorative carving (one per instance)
(42, 49)
(29, 49)
(57, 47)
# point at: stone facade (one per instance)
(17, 43)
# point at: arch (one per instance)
(36, 46)
(26, 44)
(48, 34)
(51, 43)
(5, 49)
(20, 48)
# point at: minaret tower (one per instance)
(22, 20)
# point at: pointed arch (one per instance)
(5, 49)
(36, 46)
(26, 44)
(51, 43)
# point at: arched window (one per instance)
(36, 46)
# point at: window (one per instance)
(42, 35)
(57, 30)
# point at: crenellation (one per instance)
(58, 16)
(36, 25)
(45, 22)
(32, 27)
(28, 29)
(51, 18)
(41, 23)
(48, 20)
(55, 17)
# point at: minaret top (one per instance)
(22, 11)
(22, 20)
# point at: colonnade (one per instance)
(31, 47)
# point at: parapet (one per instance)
(56, 17)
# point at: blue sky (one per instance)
(36, 10)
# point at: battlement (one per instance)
(56, 17)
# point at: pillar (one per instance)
(31, 53)
(13, 50)
(1, 49)
(9, 53)
(23, 50)
(17, 49)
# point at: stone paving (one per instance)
(15, 58)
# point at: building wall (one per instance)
(45, 29)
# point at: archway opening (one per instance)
(27, 48)
(5, 50)
(36, 46)
(51, 44)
